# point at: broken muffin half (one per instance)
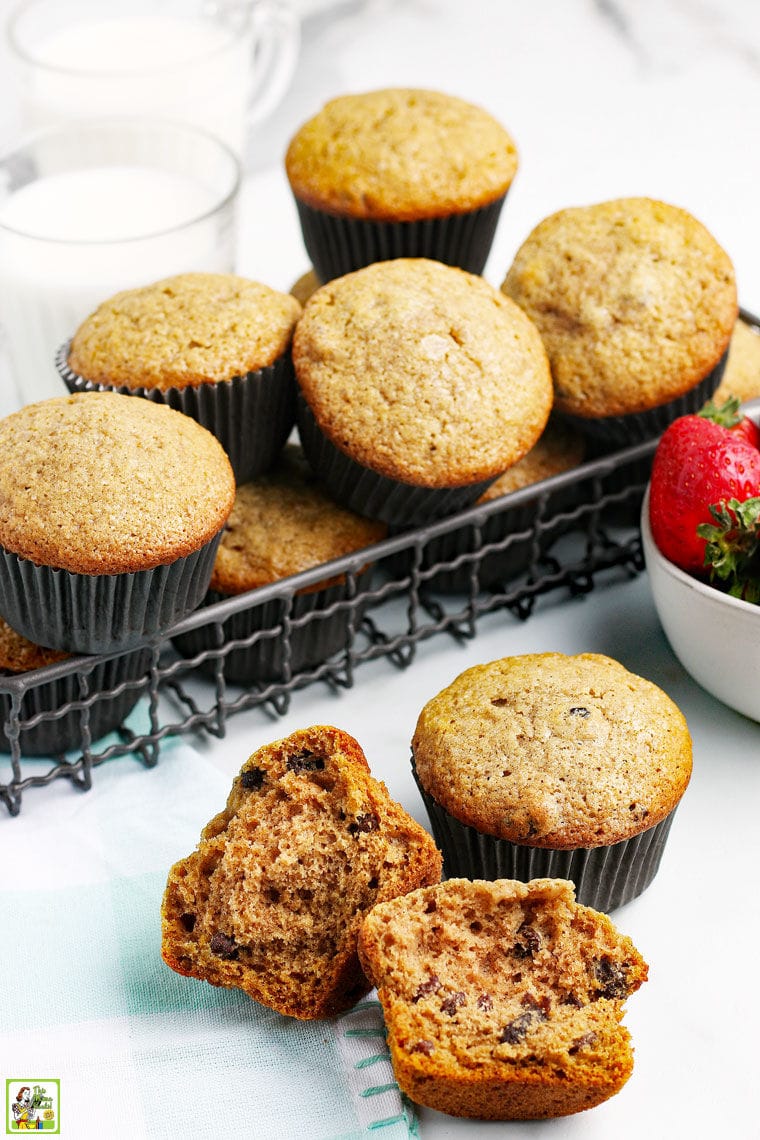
(503, 1000)
(272, 898)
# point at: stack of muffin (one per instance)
(418, 389)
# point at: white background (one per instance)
(604, 99)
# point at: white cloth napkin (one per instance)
(140, 1051)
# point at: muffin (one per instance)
(282, 524)
(399, 172)
(551, 765)
(454, 563)
(272, 898)
(54, 734)
(111, 510)
(303, 287)
(636, 303)
(741, 378)
(418, 385)
(503, 1000)
(211, 345)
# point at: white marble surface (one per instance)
(606, 98)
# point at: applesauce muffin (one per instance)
(282, 524)
(20, 655)
(272, 898)
(399, 172)
(568, 766)
(303, 287)
(55, 734)
(531, 526)
(111, 510)
(418, 385)
(635, 302)
(741, 378)
(212, 345)
(503, 1000)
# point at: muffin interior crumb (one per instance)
(272, 899)
(526, 980)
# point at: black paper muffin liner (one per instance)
(101, 613)
(63, 733)
(250, 415)
(370, 494)
(495, 567)
(605, 878)
(310, 644)
(624, 431)
(338, 245)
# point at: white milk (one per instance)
(179, 67)
(70, 240)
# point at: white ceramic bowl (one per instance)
(715, 637)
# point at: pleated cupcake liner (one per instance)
(268, 659)
(101, 613)
(63, 733)
(624, 431)
(497, 566)
(373, 495)
(605, 878)
(250, 415)
(338, 245)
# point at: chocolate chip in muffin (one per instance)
(252, 779)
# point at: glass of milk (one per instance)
(222, 65)
(97, 206)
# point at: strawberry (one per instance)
(729, 416)
(732, 548)
(698, 464)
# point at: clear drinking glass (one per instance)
(221, 65)
(90, 208)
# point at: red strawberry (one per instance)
(698, 464)
(729, 416)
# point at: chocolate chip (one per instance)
(364, 823)
(528, 942)
(431, 986)
(579, 710)
(485, 1002)
(611, 977)
(252, 779)
(425, 1047)
(499, 702)
(188, 921)
(514, 1031)
(223, 946)
(572, 999)
(304, 761)
(539, 1008)
(583, 1042)
(452, 1003)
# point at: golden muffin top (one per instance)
(400, 154)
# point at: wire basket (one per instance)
(560, 534)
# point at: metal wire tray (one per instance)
(560, 534)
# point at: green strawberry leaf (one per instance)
(727, 414)
(732, 550)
